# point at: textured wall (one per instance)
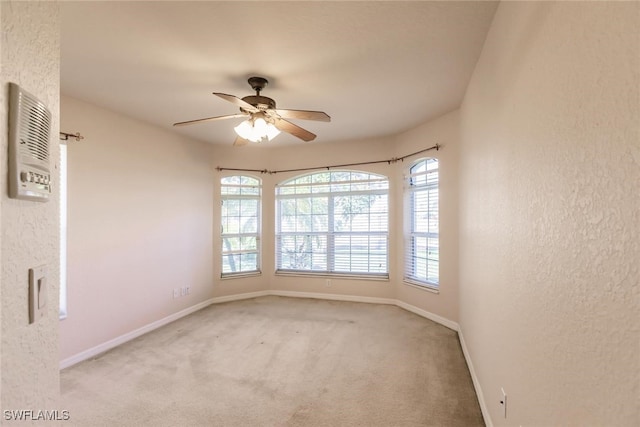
(550, 214)
(30, 56)
(140, 203)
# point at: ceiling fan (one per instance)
(264, 121)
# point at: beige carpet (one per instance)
(277, 361)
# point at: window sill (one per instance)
(240, 275)
(421, 286)
(377, 278)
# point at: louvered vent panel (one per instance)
(34, 125)
(29, 129)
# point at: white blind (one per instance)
(240, 225)
(333, 222)
(422, 242)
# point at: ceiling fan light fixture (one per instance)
(244, 130)
(265, 122)
(256, 129)
(272, 131)
(260, 127)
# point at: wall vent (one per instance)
(29, 131)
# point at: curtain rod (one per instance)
(388, 161)
(64, 136)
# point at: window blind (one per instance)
(333, 222)
(240, 225)
(422, 240)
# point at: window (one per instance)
(240, 225)
(63, 231)
(422, 254)
(333, 222)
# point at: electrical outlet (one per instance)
(176, 293)
(328, 283)
(188, 289)
(503, 402)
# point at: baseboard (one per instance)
(476, 382)
(237, 297)
(333, 297)
(427, 314)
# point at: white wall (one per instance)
(549, 214)
(140, 206)
(30, 56)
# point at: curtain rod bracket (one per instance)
(64, 136)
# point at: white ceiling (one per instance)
(377, 68)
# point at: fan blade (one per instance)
(237, 101)
(294, 130)
(239, 142)
(210, 119)
(320, 116)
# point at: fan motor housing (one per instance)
(260, 102)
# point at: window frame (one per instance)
(330, 233)
(257, 234)
(63, 152)
(411, 189)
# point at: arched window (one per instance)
(240, 225)
(422, 251)
(333, 222)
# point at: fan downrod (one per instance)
(258, 83)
